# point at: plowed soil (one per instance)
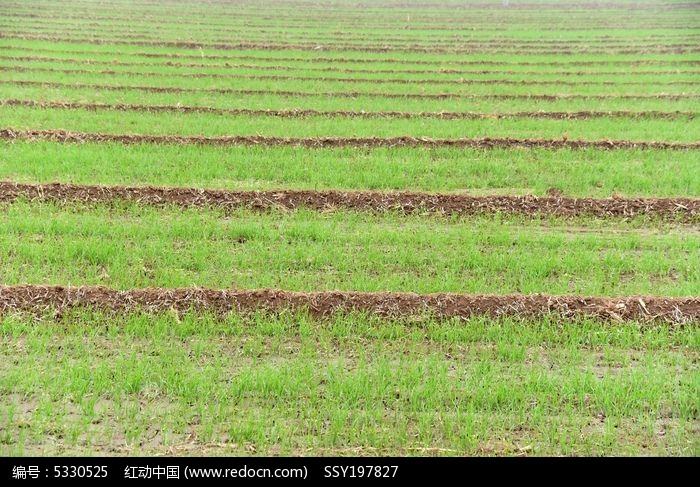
(332, 69)
(43, 299)
(301, 113)
(325, 60)
(352, 94)
(401, 81)
(311, 39)
(677, 209)
(266, 46)
(311, 142)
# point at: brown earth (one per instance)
(302, 113)
(265, 39)
(400, 81)
(631, 62)
(315, 47)
(677, 209)
(316, 142)
(464, 24)
(349, 41)
(427, 22)
(58, 299)
(351, 94)
(332, 68)
(477, 11)
(300, 24)
(306, 12)
(590, 6)
(63, 27)
(443, 43)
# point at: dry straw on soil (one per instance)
(354, 94)
(58, 299)
(676, 209)
(124, 40)
(311, 142)
(301, 113)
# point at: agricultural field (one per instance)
(350, 228)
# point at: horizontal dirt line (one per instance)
(298, 29)
(382, 23)
(631, 62)
(384, 10)
(437, 40)
(378, 20)
(262, 67)
(325, 79)
(354, 94)
(66, 24)
(381, 18)
(675, 209)
(254, 20)
(59, 300)
(303, 113)
(426, 40)
(329, 42)
(255, 16)
(401, 141)
(313, 47)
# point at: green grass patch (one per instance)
(317, 84)
(323, 126)
(586, 172)
(328, 103)
(168, 73)
(351, 385)
(131, 246)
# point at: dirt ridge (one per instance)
(306, 36)
(266, 46)
(318, 142)
(625, 62)
(676, 209)
(58, 299)
(368, 44)
(303, 113)
(398, 81)
(355, 94)
(440, 71)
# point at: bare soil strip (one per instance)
(411, 38)
(674, 209)
(426, 26)
(418, 33)
(262, 67)
(303, 113)
(437, 12)
(58, 300)
(363, 61)
(429, 23)
(265, 46)
(353, 94)
(347, 43)
(377, 18)
(401, 81)
(316, 142)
